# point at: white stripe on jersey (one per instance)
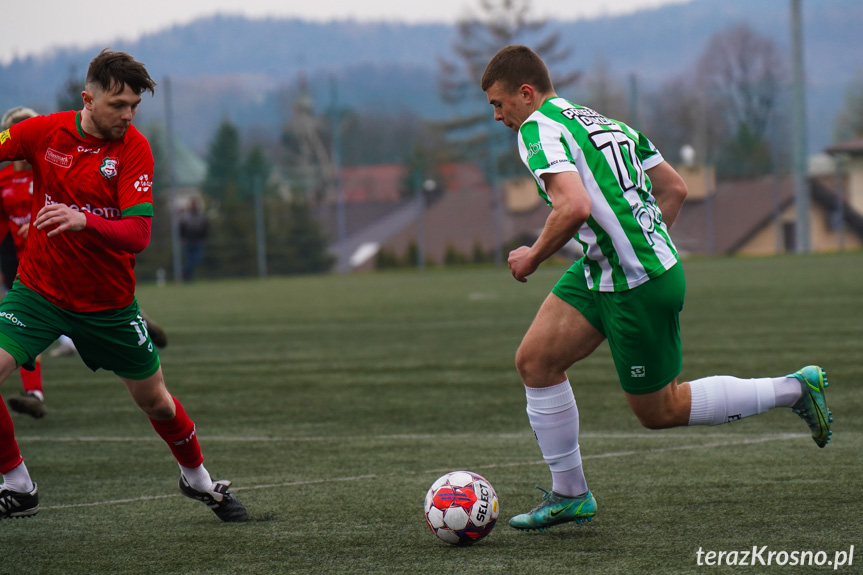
(550, 133)
(602, 212)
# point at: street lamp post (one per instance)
(798, 115)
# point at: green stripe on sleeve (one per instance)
(139, 210)
(536, 159)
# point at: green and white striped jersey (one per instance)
(625, 241)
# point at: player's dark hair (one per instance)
(112, 70)
(515, 65)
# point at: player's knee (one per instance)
(538, 368)
(653, 421)
(159, 410)
(156, 406)
(529, 366)
(660, 418)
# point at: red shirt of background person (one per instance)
(16, 205)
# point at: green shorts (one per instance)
(115, 339)
(642, 325)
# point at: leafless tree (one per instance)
(604, 92)
(849, 121)
(679, 115)
(743, 73)
(728, 107)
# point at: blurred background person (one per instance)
(193, 233)
(16, 205)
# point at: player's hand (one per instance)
(521, 263)
(59, 218)
(24, 231)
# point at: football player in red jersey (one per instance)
(91, 214)
(16, 205)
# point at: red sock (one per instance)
(32, 380)
(179, 434)
(10, 456)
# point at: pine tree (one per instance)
(501, 23)
(223, 164)
(255, 171)
(69, 95)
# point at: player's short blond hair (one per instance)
(15, 115)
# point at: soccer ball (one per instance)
(461, 508)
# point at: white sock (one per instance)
(722, 398)
(553, 416)
(18, 480)
(788, 391)
(198, 477)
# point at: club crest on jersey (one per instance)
(109, 168)
(4, 135)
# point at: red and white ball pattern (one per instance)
(461, 507)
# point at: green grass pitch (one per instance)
(333, 403)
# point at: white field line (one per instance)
(744, 441)
(392, 437)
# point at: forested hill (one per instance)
(248, 70)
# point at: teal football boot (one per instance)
(812, 406)
(554, 510)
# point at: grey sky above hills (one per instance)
(247, 69)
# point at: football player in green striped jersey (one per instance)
(609, 187)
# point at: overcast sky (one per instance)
(39, 25)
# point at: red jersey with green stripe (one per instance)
(78, 271)
(16, 204)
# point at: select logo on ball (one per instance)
(461, 508)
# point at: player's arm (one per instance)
(128, 234)
(669, 189)
(10, 145)
(570, 209)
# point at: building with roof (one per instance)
(746, 216)
(756, 216)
